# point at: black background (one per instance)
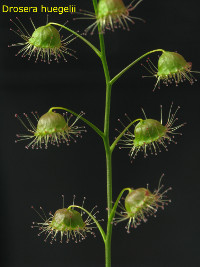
(39, 178)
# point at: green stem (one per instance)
(79, 36)
(109, 203)
(107, 123)
(106, 142)
(96, 129)
(109, 229)
(112, 147)
(95, 6)
(112, 214)
(93, 218)
(107, 149)
(132, 64)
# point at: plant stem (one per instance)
(109, 229)
(93, 218)
(107, 143)
(106, 127)
(109, 201)
(112, 214)
(107, 150)
(133, 63)
(79, 36)
(112, 147)
(99, 132)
